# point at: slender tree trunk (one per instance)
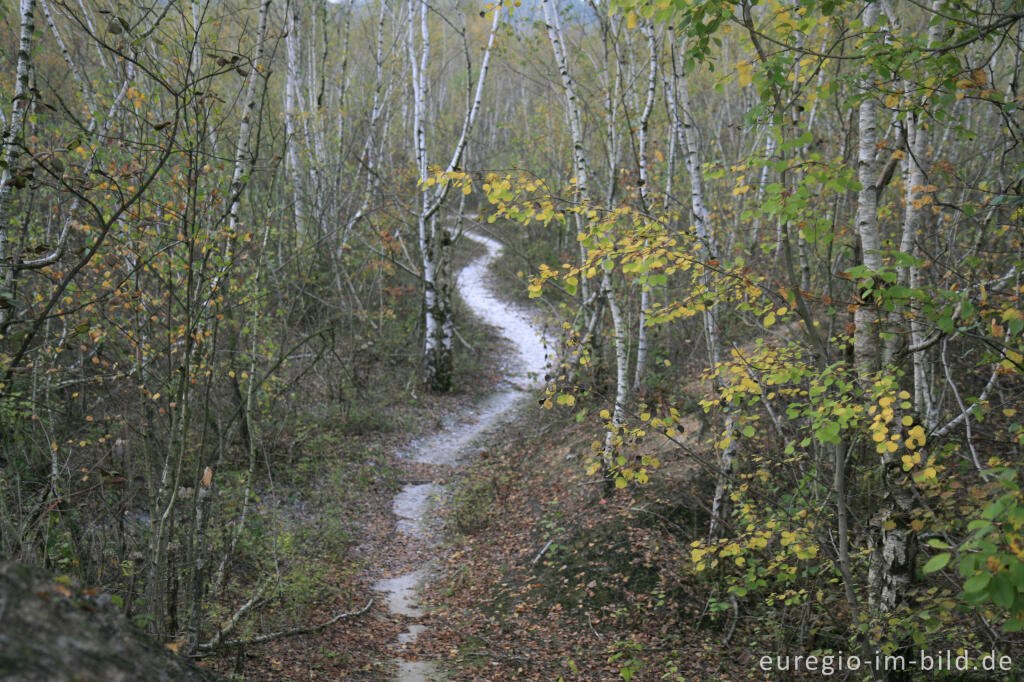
(435, 241)
(687, 132)
(243, 147)
(291, 103)
(419, 59)
(865, 345)
(918, 152)
(373, 147)
(9, 150)
(645, 193)
(572, 112)
(165, 496)
(893, 542)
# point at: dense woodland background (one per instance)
(786, 236)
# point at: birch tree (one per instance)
(644, 182)
(11, 175)
(435, 239)
(293, 12)
(867, 353)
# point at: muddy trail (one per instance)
(413, 552)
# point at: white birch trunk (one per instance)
(243, 145)
(435, 241)
(572, 112)
(83, 82)
(644, 181)
(685, 128)
(865, 345)
(372, 148)
(291, 99)
(11, 138)
(419, 56)
(918, 140)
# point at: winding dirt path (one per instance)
(414, 505)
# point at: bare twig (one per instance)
(237, 616)
(591, 624)
(541, 552)
(280, 634)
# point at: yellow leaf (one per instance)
(631, 21)
(769, 319)
(892, 101)
(746, 73)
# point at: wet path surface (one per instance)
(415, 504)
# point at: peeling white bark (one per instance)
(293, 14)
(435, 241)
(572, 112)
(865, 344)
(645, 193)
(12, 136)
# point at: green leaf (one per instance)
(1002, 590)
(977, 583)
(1013, 625)
(937, 562)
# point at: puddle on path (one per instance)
(414, 504)
(403, 593)
(411, 503)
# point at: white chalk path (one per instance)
(413, 505)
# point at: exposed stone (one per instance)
(51, 630)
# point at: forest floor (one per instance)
(549, 577)
(330, 504)
(359, 647)
(539, 574)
